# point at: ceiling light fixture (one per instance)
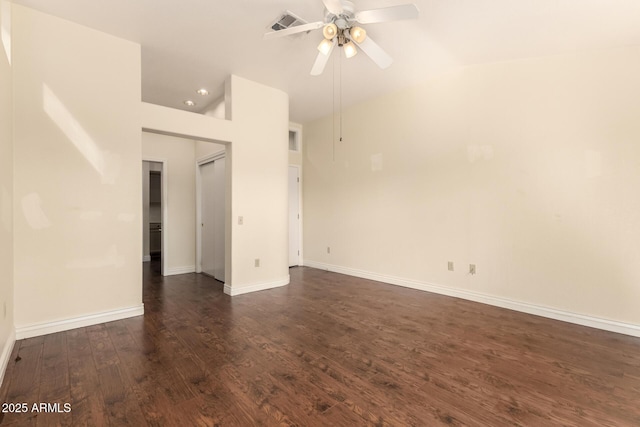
(344, 35)
(189, 103)
(350, 50)
(325, 46)
(330, 31)
(202, 92)
(357, 34)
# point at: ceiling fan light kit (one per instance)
(357, 34)
(340, 22)
(350, 49)
(330, 31)
(325, 46)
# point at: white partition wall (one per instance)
(77, 180)
(258, 160)
(6, 191)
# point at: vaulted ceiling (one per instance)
(189, 44)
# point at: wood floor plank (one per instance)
(155, 405)
(104, 353)
(55, 389)
(25, 380)
(121, 406)
(86, 396)
(326, 350)
(8, 375)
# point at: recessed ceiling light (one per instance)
(202, 92)
(189, 103)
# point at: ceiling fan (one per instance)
(339, 27)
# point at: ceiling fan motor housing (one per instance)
(344, 19)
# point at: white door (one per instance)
(212, 176)
(218, 223)
(294, 216)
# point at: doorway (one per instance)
(211, 211)
(153, 190)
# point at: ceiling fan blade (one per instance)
(293, 30)
(333, 6)
(393, 13)
(375, 52)
(321, 60)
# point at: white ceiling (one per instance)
(188, 44)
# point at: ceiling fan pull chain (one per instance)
(333, 108)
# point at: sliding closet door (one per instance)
(218, 220)
(212, 177)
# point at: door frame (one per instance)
(199, 162)
(164, 202)
(300, 228)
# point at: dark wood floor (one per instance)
(328, 350)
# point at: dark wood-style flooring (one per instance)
(327, 350)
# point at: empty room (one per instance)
(320, 213)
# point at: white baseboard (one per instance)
(552, 313)
(37, 329)
(146, 258)
(179, 270)
(6, 354)
(234, 290)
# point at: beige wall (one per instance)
(295, 158)
(178, 155)
(528, 169)
(205, 149)
(6, 197)
(77, 182)
(258, 158)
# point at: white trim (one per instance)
(180, 270)
(199, 162)
(37, 329)
(198, 218)
(538, 310)
(211, 157)
(235, 290)
(146, 258)
(6, 354)
(165, 209)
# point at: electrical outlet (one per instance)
(472, 269)
(257, 262)
(450, 265)
(328, 249)
(240, 220)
